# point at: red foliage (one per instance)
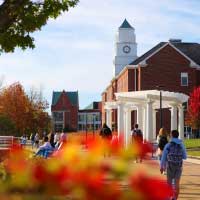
(150, 188)
(193, 115)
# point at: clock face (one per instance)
(126, 49)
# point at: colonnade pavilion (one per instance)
(146, 103)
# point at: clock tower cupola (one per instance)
(125, 47)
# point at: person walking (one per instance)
(106, 135)
(162, 140)
(56, 139)
(32, 138)
(137, 137)
(172, 161)
(51, 136)
(106, 132)
(37, 140)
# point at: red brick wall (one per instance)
(71, 114)
(122, 82)
(131, 79)
(164, 68)
(198, 78)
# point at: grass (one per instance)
(192, 143)
(194, 153)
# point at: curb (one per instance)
(194, 157)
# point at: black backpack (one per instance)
(106, 132)
(175, 154)
(138, 133)
(162, 142)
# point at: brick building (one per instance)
(90, 117)
(64, 109)
(174, 65)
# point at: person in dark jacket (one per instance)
(106, 135)
(106, 132)
(172, 161)
(52, 140)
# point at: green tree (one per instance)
(20, 18)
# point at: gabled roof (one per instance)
(73, 97)
(148, 53)
(125, 24)
(190, 50)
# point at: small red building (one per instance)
(64, 109)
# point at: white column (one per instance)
(149, 121)
(144, 123)
(139, 117)
(127, 126)
(181, 122)
(154, 124)
(120, 119)
(109, 118)
(173, 117)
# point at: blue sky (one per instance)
(75, 51)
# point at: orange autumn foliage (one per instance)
(15, 104)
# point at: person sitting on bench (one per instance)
(45, 149)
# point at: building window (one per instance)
(58, 127)
(58, 116)
(184, 79)
(81, 118)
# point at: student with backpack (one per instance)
(106, 132)
(137, 137)
(172, 161)
(106, 135)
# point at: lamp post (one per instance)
(86, 130)
(93, 124)
(161, 114)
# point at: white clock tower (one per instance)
(125, 47)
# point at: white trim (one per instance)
(125, 68)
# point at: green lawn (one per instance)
(192, 143)
(194, 153)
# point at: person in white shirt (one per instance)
(37, 140)
(56, 138)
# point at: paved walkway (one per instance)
(190, 181)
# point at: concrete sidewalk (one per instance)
(190, 180)
(193, 160)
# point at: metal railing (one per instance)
(8, 141)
